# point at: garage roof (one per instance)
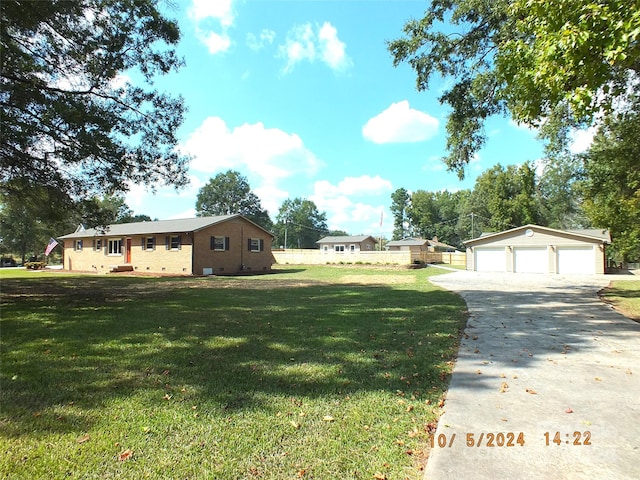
(602, 236)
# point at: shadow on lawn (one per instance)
(87, 341)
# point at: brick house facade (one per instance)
(226, 244)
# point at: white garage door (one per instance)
(531, 260)
(576, 260)
(490, 260)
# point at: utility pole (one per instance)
(286, 225)
(472, 230)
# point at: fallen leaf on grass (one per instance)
(379, 476)
(295, 425)
(83, 439)
(328, 418)
(531, 391)
(125, 455)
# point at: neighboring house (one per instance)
(419, 245)
(348, 244)
(226, 244)
(536, 249)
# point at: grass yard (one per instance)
(313, 372)
(624, 296)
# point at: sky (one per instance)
(301, 97)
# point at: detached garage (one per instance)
(536, 249)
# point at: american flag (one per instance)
(50, 246)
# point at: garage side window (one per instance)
(78, 245)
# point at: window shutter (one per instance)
(212, 244)
(226, 243)
(93, 244)
(261, 245)
(167, 242)
(249, 245)
(179, 242)
(143, 243)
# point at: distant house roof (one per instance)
(407, 242)
(347, 239)
(593, 234)
(419, 242)
(157, 227)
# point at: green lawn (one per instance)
(313, 372)
(624, 295)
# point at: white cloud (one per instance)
(271, 198)
(221, 10)
(140, 197)
(215, 42)
(306, 42)
(256, 43)
(332, 49)
(354, 200)
(581, 140)
(400, 124)
(212, 19)
(268, 155)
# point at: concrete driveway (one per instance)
(546, 385)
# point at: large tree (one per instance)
(299, 224)
(504, 198)
(230, 193)
(72, 118)
(611, 184)
(564, 63)
(400, 204)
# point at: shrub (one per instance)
(35, 265)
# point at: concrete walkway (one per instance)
(542, 359)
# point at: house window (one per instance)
(325, 248)
(78, 245)
(256, 245)
(173, 242)
(338, 248)
(352, 248)
(114, 247)
(149, 243)
(99, 244)
(220, 243)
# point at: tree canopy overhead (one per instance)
(71, 120)
(563, 63)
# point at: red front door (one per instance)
(128, 251)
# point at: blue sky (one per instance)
(301, 97)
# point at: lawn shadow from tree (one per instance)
(228, 345)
